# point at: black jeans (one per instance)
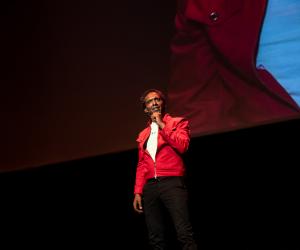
(167, 193)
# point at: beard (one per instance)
(155, 109)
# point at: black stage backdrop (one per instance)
(243, 195)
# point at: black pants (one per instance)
(167, 193)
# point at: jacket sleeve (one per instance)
(140, 173)
(177, 134)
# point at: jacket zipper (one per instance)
(155, 175)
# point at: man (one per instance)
(159, 183)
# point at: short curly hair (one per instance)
(143, 96)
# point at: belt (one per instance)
(160, 178)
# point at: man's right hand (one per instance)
(137, 203)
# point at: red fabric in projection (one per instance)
(214, 81)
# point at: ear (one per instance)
(146, 110)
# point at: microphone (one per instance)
(150, 111)
(155, 109)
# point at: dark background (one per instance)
(73, 73)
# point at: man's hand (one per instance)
(137, 203)
(156, 117)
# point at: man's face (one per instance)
(153, 103)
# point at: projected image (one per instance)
(234, 63)
(224, 65)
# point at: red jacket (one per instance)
(173, 141)
(214, 80)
